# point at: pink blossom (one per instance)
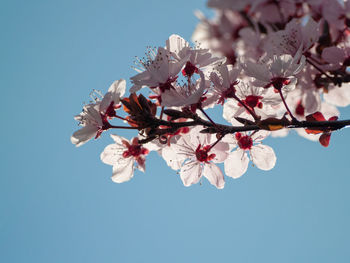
(94, 117)
(197, 58)
(198, 158)
(262, 156)
(277, 72)
(157, 71)
(123, 155)
(297, 35)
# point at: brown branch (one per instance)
(225, 129)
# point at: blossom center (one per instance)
(244, 142)
(278, 82)
(300, 110)
(228, 93)
(167, 85)
(253, 101)
(189, 69)
(110, 111)
(135, 151)
(202, 154)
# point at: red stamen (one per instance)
(245, 142)
(189, 69)
(300, 110)
(202, 154)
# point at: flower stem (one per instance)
(124, 127)
(287, 108)
(256, 118)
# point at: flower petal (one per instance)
(190, 173)
(83, 135)
(113, 154)
(214, 175)
(263, 157)
(338, 96)
(115, 91)
(236, 164)
(221, 152)
(123, 171)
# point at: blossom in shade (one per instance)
(337, 13)
(262, 156)
(298, 35)
(277, 72)
(196, 58)
(186, 95)
(124, 155)
(224, 81)
(219, 36)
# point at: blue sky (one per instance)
(57, 202)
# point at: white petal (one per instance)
(173, 160)
(280, 64)
(124, 171)
(329, 110)
(263, 157)
(312, 101)
(118, 139)
(260, 135)
(221, 152)
(83, 135)
(339, 96)
(231, 110)
(112, 154)
(257, 71)
(236, 164)
(190, 173)
(115, 91)
(175, 44)
(214, 175)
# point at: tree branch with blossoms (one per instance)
(273, 66)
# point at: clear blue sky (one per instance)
(57, 202)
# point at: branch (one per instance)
(282, 123)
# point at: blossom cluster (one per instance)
(272, 66)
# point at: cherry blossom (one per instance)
(297, 35)
(271, 66)
(123, 155)
(157, 71)
(94, 116)
(185, 95)
(224, 82)
(262, 156)
(262, 102)
(278, 72)
(198, 158)
(92, 123)
(197, 58)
